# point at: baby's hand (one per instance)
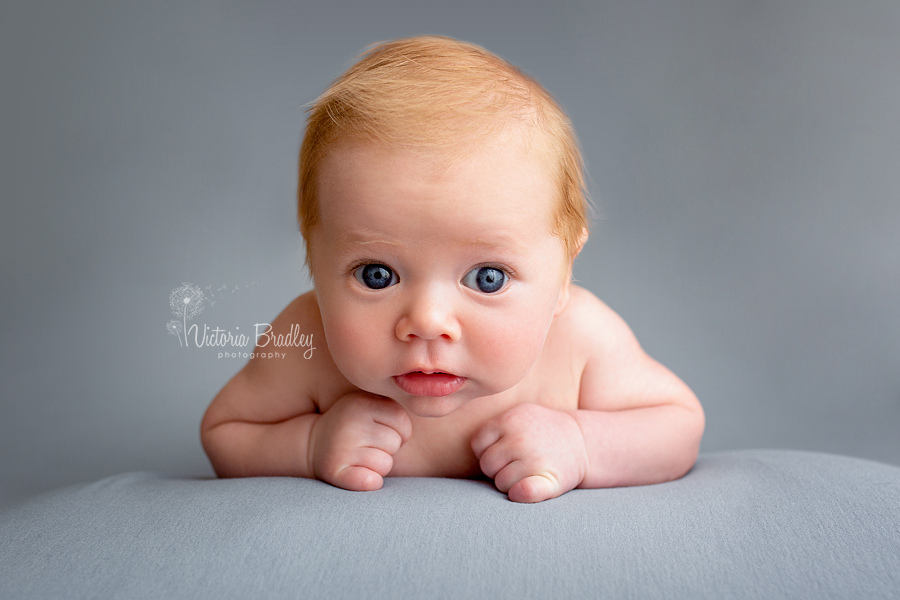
(532, 453)
(352, 445)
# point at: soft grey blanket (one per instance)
(749, 524)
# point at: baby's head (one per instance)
(443, 96)
(441, 202)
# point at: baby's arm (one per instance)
(641, 423)
(636, 422)
(259, 424)
(297, 416)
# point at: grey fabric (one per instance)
(749, 524)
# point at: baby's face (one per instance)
(437, 281)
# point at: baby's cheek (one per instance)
(513, 347)
(348, 341)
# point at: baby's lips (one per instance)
(418, 383)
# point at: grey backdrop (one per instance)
(743, 159)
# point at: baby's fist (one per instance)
(352, 445)
(532, 453)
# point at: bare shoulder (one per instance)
(591, 325)
(618, 374)
(289, 374)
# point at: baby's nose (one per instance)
(428, 316)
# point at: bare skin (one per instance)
(423, 369)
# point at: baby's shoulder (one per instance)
(588, 319)
(303, 311)
(595, 336)
(296, 330)
(297, 360)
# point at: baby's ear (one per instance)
(564, 290)
(582, 239)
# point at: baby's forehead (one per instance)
(448, 147)
(505, 159)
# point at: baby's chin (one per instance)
(431, 407)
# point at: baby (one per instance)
(442, 205)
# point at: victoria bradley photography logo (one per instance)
(188, 301)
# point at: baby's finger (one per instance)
(389, 413)
(496, 458)
(535, 488)
(485, 437)
(381, 437)
(374, 459)
(511, 474)
(357, 479)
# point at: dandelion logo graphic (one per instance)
(186, 302)
(175, 328)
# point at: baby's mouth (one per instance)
(438, 383)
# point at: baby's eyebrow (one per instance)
(501, 242)
(356, 239)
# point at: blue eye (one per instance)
(486, 279)
(375, 276)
